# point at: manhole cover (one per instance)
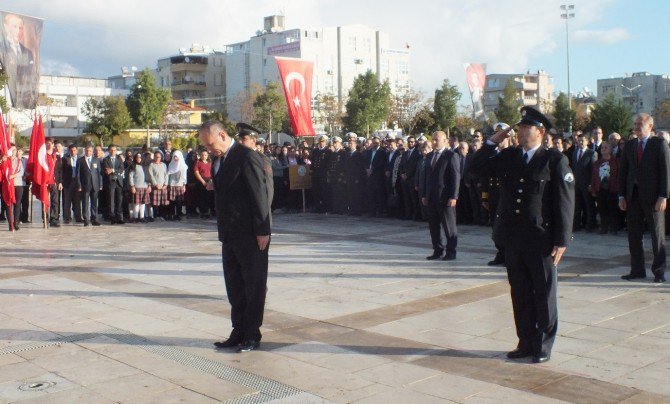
(36, 386)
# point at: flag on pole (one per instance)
(8, 191)
(40, 168)
(296, 77)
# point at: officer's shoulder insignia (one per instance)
(568, 177)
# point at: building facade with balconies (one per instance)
(642, 92)
(533, 89)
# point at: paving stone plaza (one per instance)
(354, 314)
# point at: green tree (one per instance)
(146, 101)
(4, 79)
(404, 107)
(612, 115)
(565, 118)
(106, 117)
(270, 109)
(368, 104)
(221, 116)
(328, 112)
(444, 105)
(661, 114)
(423, 122)
(508, 104)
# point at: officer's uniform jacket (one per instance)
(536, 204)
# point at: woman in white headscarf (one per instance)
(176, 185)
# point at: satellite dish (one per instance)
(187, 59)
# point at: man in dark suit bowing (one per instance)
(643, 193)
(89, 183)
(534, 224)
(243, 220)
(443, 177)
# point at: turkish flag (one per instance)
(38, 165)
(8, 192)
(296, 77)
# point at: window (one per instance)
(352, 42)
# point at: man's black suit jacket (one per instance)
(115, 177)
(378, 164)
(443, 179)
(68, 174)
(583, 168)
(89, 179)
(650, 175)
(240, 191)
(408, 164)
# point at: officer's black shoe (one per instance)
(520, 352)
(449, 257)
(659, 279)
(434, 257)
(249, 345)
(631, 277)
(541, 357)
(234, 340)
(496, 261)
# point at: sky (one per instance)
(608, 38)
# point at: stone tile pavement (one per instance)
(354, 314)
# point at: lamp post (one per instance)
(567, 14)
(630, 93)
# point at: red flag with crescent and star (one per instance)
(38, 164)
(296, 77)
(8, 193)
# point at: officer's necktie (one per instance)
(432, 163)
(525, 158)
(640, 149)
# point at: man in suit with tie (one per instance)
(71, 193)
(534, 225)
(582, 167)
(18, 62)
(243, 220)
(375, 165)
(408, 165)
(112, 167)
(89, 183)
(643, 193)
(443, 177)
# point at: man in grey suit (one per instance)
(89, 183)
(643, 193)
(581, 162)
(19, 64)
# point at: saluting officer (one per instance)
(534, 224)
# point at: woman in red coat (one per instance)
(604, 187)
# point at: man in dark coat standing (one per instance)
(643, 193)
(89, 183)
(408, 165)
(112, 168)
(243, 220)
(443, 177)
(534, 225)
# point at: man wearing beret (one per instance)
(243, 221)
(534, 224)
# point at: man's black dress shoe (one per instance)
(449, 257)
(249, 345)
(95, 223)
(519, 353)
(541, 357)
(631, 277)
(231, 342)
(434, 257)
(86, 224)
(659, 279)
(496, 261)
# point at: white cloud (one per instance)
(609, 37)
(442, 34)
(58, 68)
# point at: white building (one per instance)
(535, 90)
(61, 100)
(642, 92)
(339, 55)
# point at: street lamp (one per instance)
(567, 14)
(630, 93)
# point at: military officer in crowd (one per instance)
(354, 167)
(534, 225)
(319, 174)
(249, 137)
(336, 177)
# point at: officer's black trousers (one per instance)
(532, 278)
(637, 213)
(245, 270)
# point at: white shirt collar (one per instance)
(531, 152)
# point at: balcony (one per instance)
(63, 111)
(188, 85)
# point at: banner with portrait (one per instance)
(20, 57)
(475, 73)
